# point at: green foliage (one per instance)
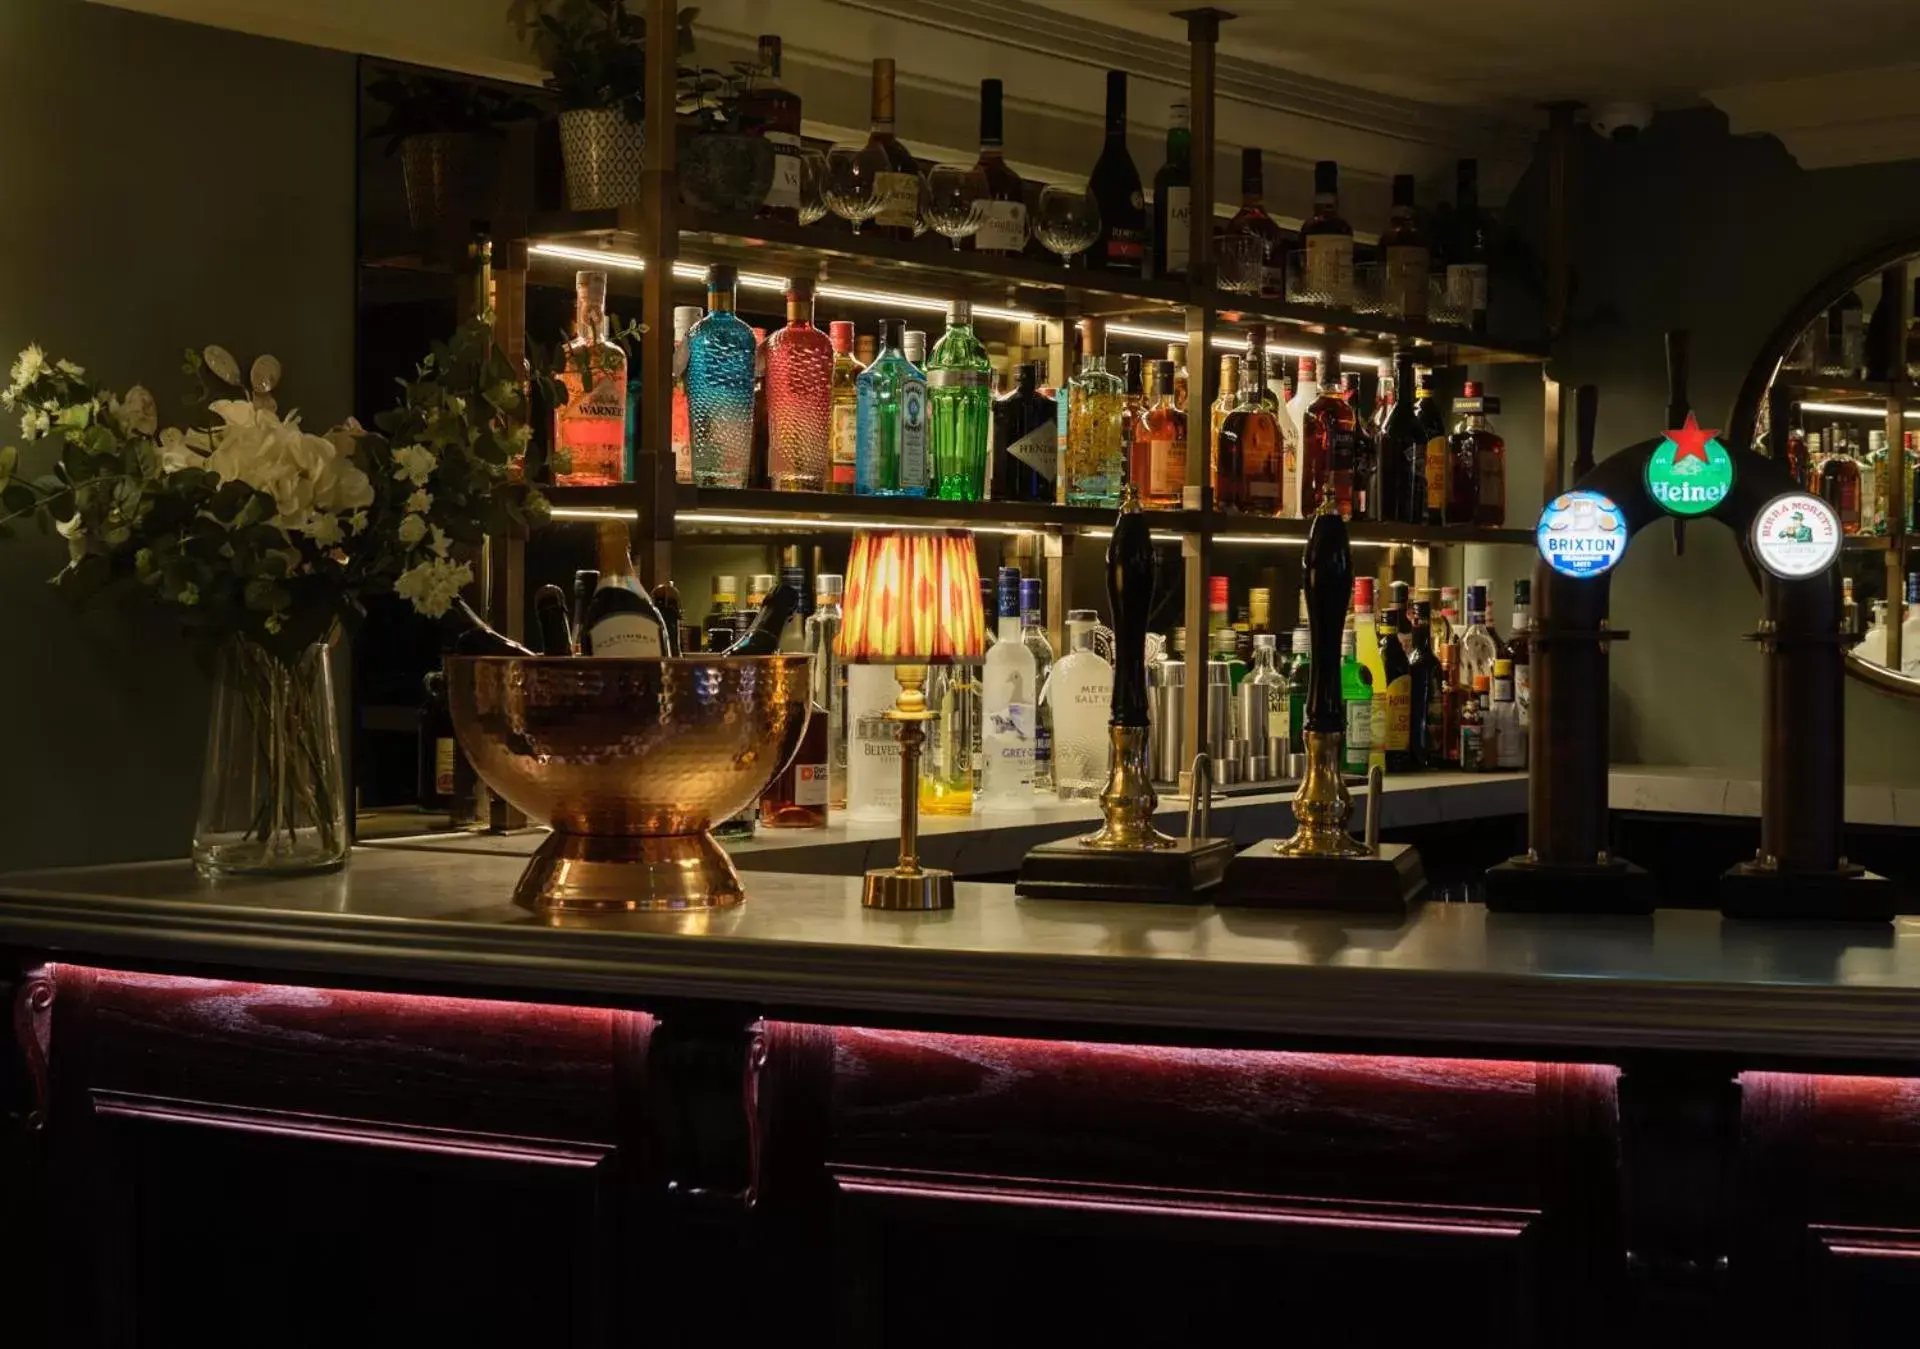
(420, 104)
(594, 51)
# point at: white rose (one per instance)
(323, 529)
(441, 543)
(136, 413)
(421, 501)
(342, 486)
(432, 585)
(34, 424)
(412, 530)
(29, 365)
(179, 450)
(414, 463)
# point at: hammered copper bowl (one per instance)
(631, 762)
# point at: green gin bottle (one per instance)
(1095, 467)
(959, 379)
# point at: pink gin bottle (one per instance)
(799, 398)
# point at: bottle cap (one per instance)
(1264, 641)
(1422, 613)
(722, 276)
(1477, 597)
(840, 333)
(959, 312)
(1030, 594)
(1348, 645)
(1302, 639)
(728, 586)
(1481, 683)
(827, 586)
(914, 346)
(1502, 669)
(760, 584)
(1216, 592)
(1009, 592)
(1177, 115)
(1363, 594)
(1163, 378)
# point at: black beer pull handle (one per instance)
(1329, 586)
(1586, 418)
(1130, 596)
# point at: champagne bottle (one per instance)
(762, 637)
(467, 634)
(556, 629)
(621, 620)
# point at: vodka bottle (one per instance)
(1009, 683)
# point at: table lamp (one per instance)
(912, 600)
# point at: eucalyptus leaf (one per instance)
(264, 376)
(221, 362)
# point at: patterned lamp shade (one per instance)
(913, 597)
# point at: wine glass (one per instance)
(1068, 221)
(852, 175)
(813, 186)
(956, 201)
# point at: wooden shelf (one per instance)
(1834, 388)
(1024, 285)
(1866, 543)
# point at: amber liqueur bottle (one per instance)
(1115, 185)
(1476, 444)
(1439, 458)
(1329, 429)
(899, 186)
(771, 110)
(1252, 218)
(1248, 462)
(1003, 217)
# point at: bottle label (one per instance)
(1407, 269)
(443, 748)
(1360, 727)
(1125, 247)
(1493, 482)
(1003, 227)
(626, 634)
(1467, 286)
(1436, 474)
(784, 192)
(1008, 742)
(1166, 467)
(845, 443)
(1523, 693)
(1179, 230)
(809, 784)
(899, 195)
(1471, 747)
(1330, 268)
(1039, 449)
(1399, 713)
(913, 435)
(956, 379)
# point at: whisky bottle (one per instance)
(1408, 258)
(1327, 435)
(590, 425)
(1003, 216)
(1439, 454)
(1477, 448)
(1248, 446)
(1160, 446)
(1467, 250)
(1173, 200)
(1329, 241)
(898, 184)
(1403, 454)
(1252, 218)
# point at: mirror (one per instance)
(1834, 396)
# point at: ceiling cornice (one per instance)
(1831, 121)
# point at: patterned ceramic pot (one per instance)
(603, 153)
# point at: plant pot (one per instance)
(452, 177)
(603, 154)
(272, 795)
(725, 173)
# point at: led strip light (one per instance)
(1848, 410)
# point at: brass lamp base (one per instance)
(1128, 801)
(604, 873)
(907, 891)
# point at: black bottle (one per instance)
(762, 637)
(1403, 453)
(1423, 669)
(1025, 440)
(585, 582)
(666, 598)
(550, 616)
(467, 634)
(1115, 185)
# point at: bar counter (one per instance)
(889, 1128)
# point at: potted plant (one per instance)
(724, 168)
(595, 56)
(449, 134)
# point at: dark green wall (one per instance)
(1695, 228)
(166, 185)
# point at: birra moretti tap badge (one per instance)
(1796, 535)
(1691, 472)
(1582, 534)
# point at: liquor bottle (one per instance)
(1173, 200)
(1423, 671)
(1328, 240)
(1009, 685)
(1095, 461)
(1371, 659)
(1177, 357)
(1463, 473)
(1025, 440)
(1467, 250)
(1473, 742)
(1873, 645)
(684, 317)
(1223, 643)
(1838, 475)
(724, 602)
(1133, 412)
(585, 582)
(1475, 441)
(439, 751)
(892, 423)
(801, 796)
(843, 443)
(865, 349)
(551, 621)
(1297, 673)
(1797, 461)
(961, 407)
(1446, 618)
(1003, 217)
(720, 376)
(1403, 455)
(1366, 458)
(1397, 749)
(1520, 651)
(873, 745)
(1878, 479)
(1226, 401)
(1115, 185)
(830, 679)
(1408, 257)
(1451, 698)
(1846, 336)
(767, 623)
(590, 424)
(898, 184)
(1160, 445)
(947, 762)
(1479, 648)
(1260, 709)
(1509, 737)
(1079, 694)
(1437, 462)
(1252, 218)
(1356, 698)
(757, 475)
(1327, 435)
(799, 384)
(1247, 450)
(1306, 392)
(771, 110)
(621, 619)
(1910, 628)
(1033, 632)
(793, 637)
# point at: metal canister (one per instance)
(1166, 719)
(1219, 709)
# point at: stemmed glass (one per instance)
(956, 201)
(850, 185)
(813, 186)
(1067, 222)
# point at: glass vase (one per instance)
(272, 796)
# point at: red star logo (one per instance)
(1690, 442)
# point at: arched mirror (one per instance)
(1834, 396)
